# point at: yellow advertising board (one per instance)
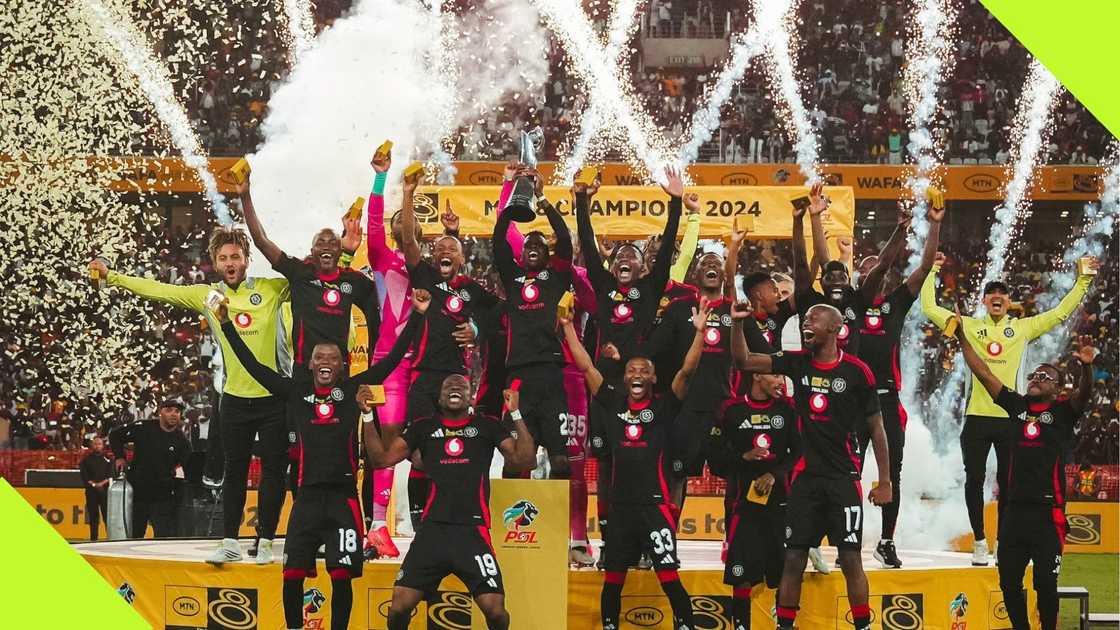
(931, 599)
(176, 595)
(869, 181)
(1094, 527)
(65, 510)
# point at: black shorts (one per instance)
(543, 404)
(820, 506)
(423, 394)
(329, 517)
(440, 549)
(636, 528)
(690, 436)
(755, 545)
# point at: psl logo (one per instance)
(957, 610)
(517, 518)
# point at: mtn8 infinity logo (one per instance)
(426, 206)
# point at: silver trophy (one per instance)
(520, 205)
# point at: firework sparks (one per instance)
(301, 27)
(621, 26)
(1031, 129)
(154, 82)
(779, 22)
(602, 78)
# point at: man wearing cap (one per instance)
(159, 451)
(1001, 341)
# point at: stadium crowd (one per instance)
(851, 55)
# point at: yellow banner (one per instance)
(639, 211)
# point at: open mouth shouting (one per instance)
(637, 387)
(625, 272)
(445, 265)
(325, 373)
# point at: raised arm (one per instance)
(191, 296)
(1086, 354)
(937, 314)
(377, 248)
(731, 264)
(268, 378)
(503, 253)
(802, 276)
(659, 275)
(409, 245)
(934, 216)
(379, 371)
(692, 358)
(600, 278)
(1038, 325)
(519, 451)
(873, 283)
(559, 228)
(690, 239)
(271, 251)
(818, 203)
(580, 358)
(980, 369)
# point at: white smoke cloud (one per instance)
(370, 77)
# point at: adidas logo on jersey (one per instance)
(492, 582)
(851, 538)
(667, 560)
(345, 560)
(438, 433)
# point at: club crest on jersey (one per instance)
(633, 432)
(332, 297)
(453, 304)
(1009, 332)
(243, 320)
(712, 336)
(995, 348)
(885, 307)
(1046, 417)
(725, 320)
(337, 395)
(256, 299)
(849, 314)
(1032, 430)
(470, 432)
(530, 293)
(646, 415)
(465, 295)
(543, 275)
(633, 293)
(346, 288)
(839, 385)
(453, 447)
(762, 440)
(818, 403)
(777, 422)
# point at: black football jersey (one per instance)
(456, 456)
(453, 303)
(880, 331)
(832, 400)
(1040, 435)
(638, 435)
(744, 424)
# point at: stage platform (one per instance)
(171, 585)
